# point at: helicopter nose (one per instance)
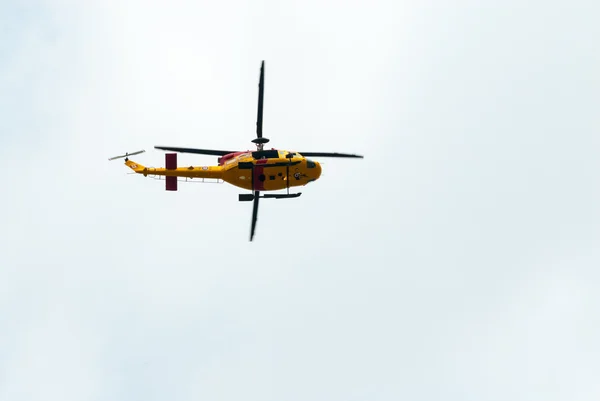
(317, 170)
(315, 173)
(313, 170)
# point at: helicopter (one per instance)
(259, 171)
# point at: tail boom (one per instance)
(215, 172)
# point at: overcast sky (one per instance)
(458, 261)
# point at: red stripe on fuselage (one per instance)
(258, 171)
(228, 156)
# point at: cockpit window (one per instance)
(310, 164)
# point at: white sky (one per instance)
(458, 261)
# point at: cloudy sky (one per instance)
(458, 261)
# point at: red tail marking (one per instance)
(171, 183)
(171, 161)
(171, 164)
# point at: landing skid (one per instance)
(275, 196)
(250, 197)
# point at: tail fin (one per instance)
(138, 168)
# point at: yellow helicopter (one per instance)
(258, 171)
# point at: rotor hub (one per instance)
(260, 142)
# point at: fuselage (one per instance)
(264, 170)
(268, 170)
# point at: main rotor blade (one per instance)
(261, 93)
(197, 151)
(330, 154)
(254, 213)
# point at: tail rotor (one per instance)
(126, 155)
